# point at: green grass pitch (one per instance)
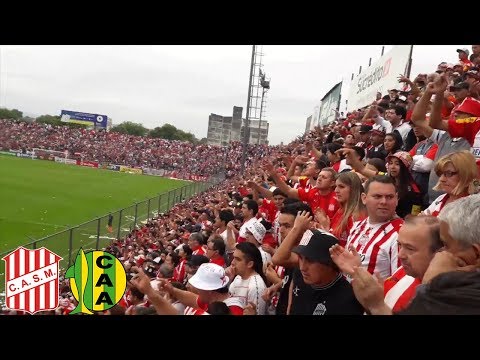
(39, 198)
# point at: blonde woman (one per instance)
(348, 191)
(458, 177)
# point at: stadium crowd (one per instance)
(374, 213)
(121, 149)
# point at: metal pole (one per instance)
(159, 203)
(136, 213)
(246, 133)
(70, 242)
(98, 233)
(148, 210)
(409, 66)
(383, 49)
(119, 223)
(260, 121)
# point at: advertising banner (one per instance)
(381, 76)
(87, 163)
(8, 153)
(113, 167)
(330, 104)
(96, 120)
(130, 170)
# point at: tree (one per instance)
(130, 128)
(170, 132)
(49, 119)
(10, 114)
(56, 120)
(203, 141)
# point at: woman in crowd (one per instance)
(348, 191)
(458, 177)
(392, 143)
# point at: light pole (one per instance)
(265, 84)
(246, 132)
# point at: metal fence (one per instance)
(96, 234)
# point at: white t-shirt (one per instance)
(250, 290)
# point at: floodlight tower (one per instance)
(254, 103)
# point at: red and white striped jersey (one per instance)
(179, 272)
(437, 205)
(276, 229)
(377, 245)
(399, 290)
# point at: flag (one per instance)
(110, 222)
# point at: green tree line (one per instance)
(166, 131)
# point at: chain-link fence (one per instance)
(99, 233)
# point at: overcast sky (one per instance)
(182, 85)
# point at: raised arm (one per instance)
(356, 164)
(420, 112)
(438, 88)
(287, 190)
(284, 255)
(260, 190)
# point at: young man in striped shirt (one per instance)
(375, 238)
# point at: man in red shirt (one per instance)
(466, 122)
(320, 197)
(195, 241)
(463, 58)
(216, 251)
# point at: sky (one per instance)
(182, 85)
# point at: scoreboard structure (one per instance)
(95, 120)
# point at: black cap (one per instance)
(315, 245)
(365, 128)
(197, 260)
(460, 86)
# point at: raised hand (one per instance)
(322, 220)
(268, 294)
(267, 248)
(302, 221)
(271, 274)
(445, 261)
(438, 86)
(368, 289)
(141, 281)
(250, 309)
(346, 260)
(403, 79)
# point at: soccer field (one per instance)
(39, 198)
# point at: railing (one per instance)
(96, 234)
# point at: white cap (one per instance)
(209, 276)
(258, 230)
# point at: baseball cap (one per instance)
(403, 156)
(315, 245)
(365, 128)
(209, 277)
(379, 129)
(258, 230)
(459, 86)
(465, 50)
(469, 106)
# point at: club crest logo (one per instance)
(98, 281)
(31, 280)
